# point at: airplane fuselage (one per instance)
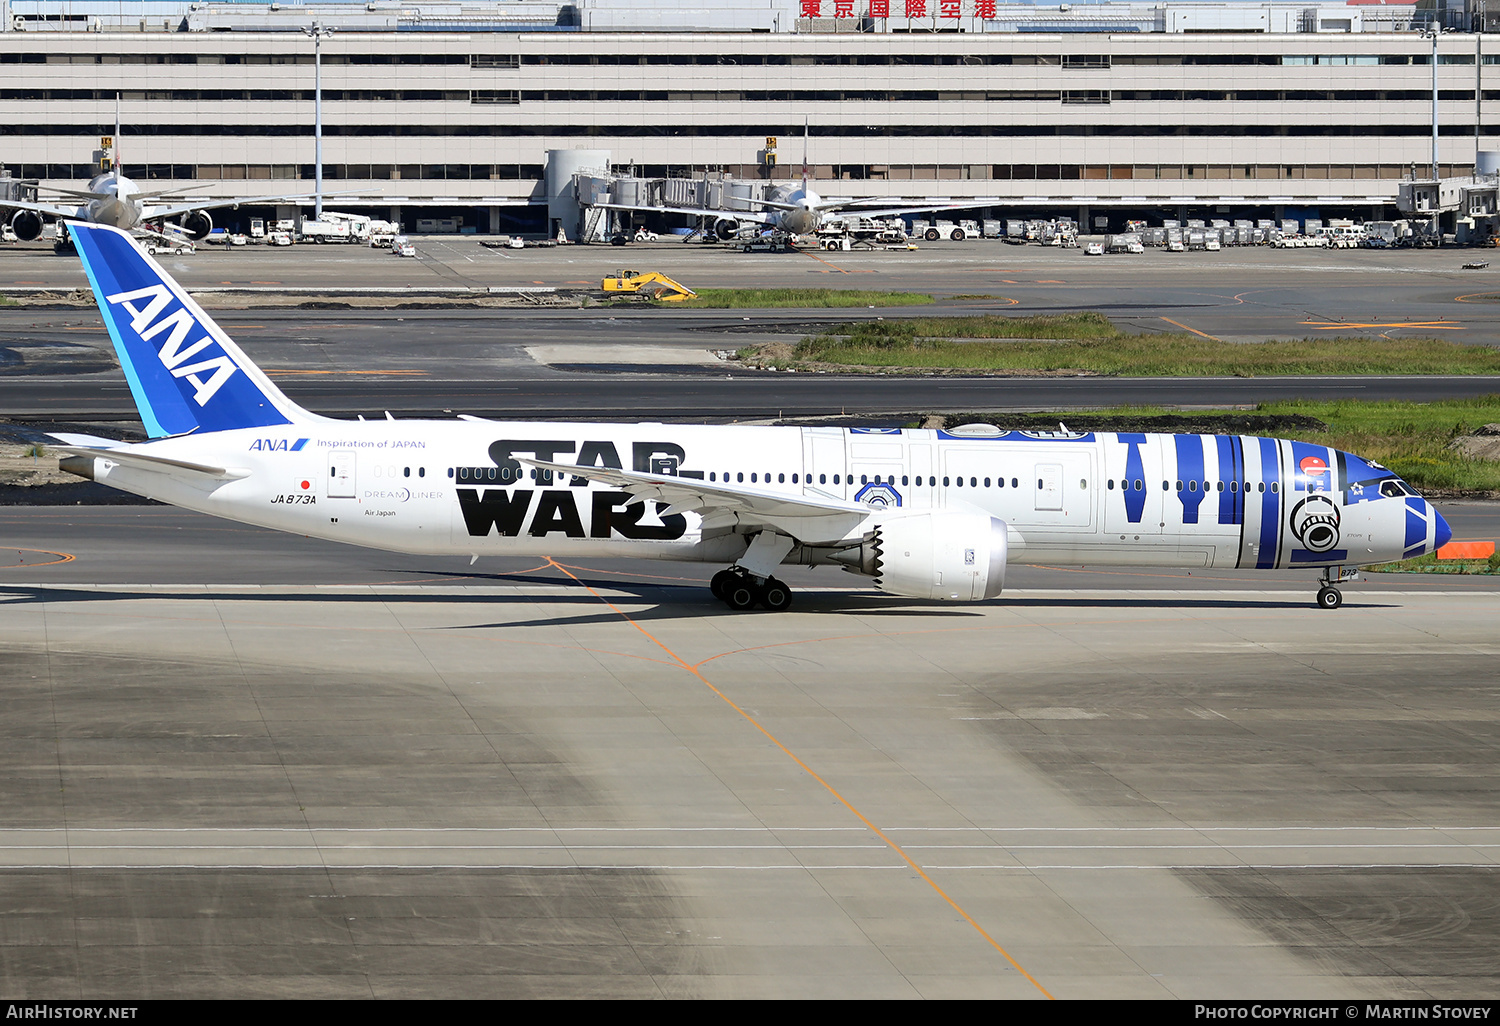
(805, 218)
(1091, 498)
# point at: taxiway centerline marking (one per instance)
(812, 773)
(1195, 331)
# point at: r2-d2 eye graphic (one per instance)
(1315, 523)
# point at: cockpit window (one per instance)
(1393, 489)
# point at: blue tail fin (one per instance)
(185, 373)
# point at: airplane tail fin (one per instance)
(184, 372)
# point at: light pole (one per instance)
(1433, 33)
(317, 30)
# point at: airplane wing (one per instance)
(855, 207)
(237, 201)
(813, 520)
(161, 464)
(41, 208)
(738, 215)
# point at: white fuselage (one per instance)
(116, 205)
(1099, 499)
(805, 218)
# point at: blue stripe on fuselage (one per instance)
(1135, 470)
(1189, 468)
(1270, 505)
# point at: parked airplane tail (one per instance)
(184, 372)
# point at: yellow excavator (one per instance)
(649, 283)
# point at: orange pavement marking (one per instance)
(1195, 331)
(810, 772)
(1335, 325)
(1467, 550)
(820, 260)
(62, 557)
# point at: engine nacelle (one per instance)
(27, 224)
(197, 225)
(941, 555)
(726, 228)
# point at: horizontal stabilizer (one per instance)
(160, 464)
(86, 441)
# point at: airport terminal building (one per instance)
(452, 109)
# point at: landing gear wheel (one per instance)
(741, 593)
(774, 595)
(1330, 598)
(719, 583)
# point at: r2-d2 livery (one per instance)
(925, 514)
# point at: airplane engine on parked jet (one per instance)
(726, 228)
(939, 555)
(27, 224)
(197, 225)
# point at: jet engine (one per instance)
(197, 225)
(27, 224)
(940, 555)
(726, 228)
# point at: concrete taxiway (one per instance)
(245, 764)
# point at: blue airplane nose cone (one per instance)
(1444, 532)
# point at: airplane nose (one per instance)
(1444, 532)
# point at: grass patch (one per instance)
(743, 299)
(1430, 564)
(1090, 343)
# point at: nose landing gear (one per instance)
(739, 589)
(1329, 597)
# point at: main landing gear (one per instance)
(1329, 597)
(739, 589)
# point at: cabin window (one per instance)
(421, 471)
(781, 479)
(406, 472)
(1083, 483)
(1275, 486)
(1234, 486)
(835, 479)
(1260, 486)
(1015, 482)
(999, 482)
(1140, 485)
(450, 472)
(945, 482)
(1179, 486)
(1192, 486)
(986, 482)
(905, 480)
(822, 479)
(1218, 486)
(713, 475)
(973, 482)
(1111, 484)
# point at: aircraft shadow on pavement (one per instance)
(662, 602)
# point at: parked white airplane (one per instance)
(926, 514)
(795, 210)
(113, 199)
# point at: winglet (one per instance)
(184, 372)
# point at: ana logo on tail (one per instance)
(206, 376)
